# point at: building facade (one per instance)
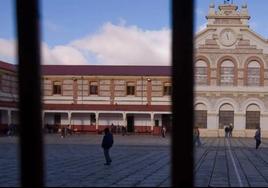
(90, 98)
(231, 86)
(231, 74)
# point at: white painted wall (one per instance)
(49, 118)
(108, 119)
(239, 121)
(212, 121)
(142, 120)
(80, 119)
(264, 122)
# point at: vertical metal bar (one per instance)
(182, 98)
(31, 141)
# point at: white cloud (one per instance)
(113, 44)
(128, 45)
(65, 55)
(8, 49)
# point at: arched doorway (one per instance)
(226, 115)
(200, 116)
(253, 116)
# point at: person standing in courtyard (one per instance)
(258, 137)
(124, 130)
(231, 130)
(163, 131)
(226, 130)
(107, 143)
(197, 137)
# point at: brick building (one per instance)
(231, 86)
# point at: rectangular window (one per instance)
(227, 76)
(201, 75)
(200, 118)
(56, 88)
(252, 119)
(253, 76)
(93, 88)
(167, 90)
(130, 90)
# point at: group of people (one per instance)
(65, 130)
(118, 129)
(228, 130)
(107, 141)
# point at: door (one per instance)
(167, 122)
(57, 122)
(130, 124)
(226, 118)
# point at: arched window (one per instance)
(253, 74)
(201, 73)
(200, 119)
(252, 117)
(227, 73)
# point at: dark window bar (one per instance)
(182, 98)
(30, 128)
(31, 142)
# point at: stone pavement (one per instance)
(232, 162)
(139, 160)
(78, 160)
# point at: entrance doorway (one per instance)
(57, 122)
(167, 121)
(226, 116)
(130, 123)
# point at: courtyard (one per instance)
(139, 161)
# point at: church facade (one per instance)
(231, 86)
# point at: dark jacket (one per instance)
(107, 141)
(258, 135)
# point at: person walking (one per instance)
(258, 137)
(163, 131)
(198, 137)
(231, 130)
(124, 130)
(226, 129)
(107, 143)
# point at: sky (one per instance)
(128, 32)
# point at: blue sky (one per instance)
(110, 31)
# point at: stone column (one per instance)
(43, 119)
(9, 118)
(149, 91)
(152, 121)
(97, 120)
(69, 118)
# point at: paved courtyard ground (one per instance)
(139, 160)
(78, 160)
